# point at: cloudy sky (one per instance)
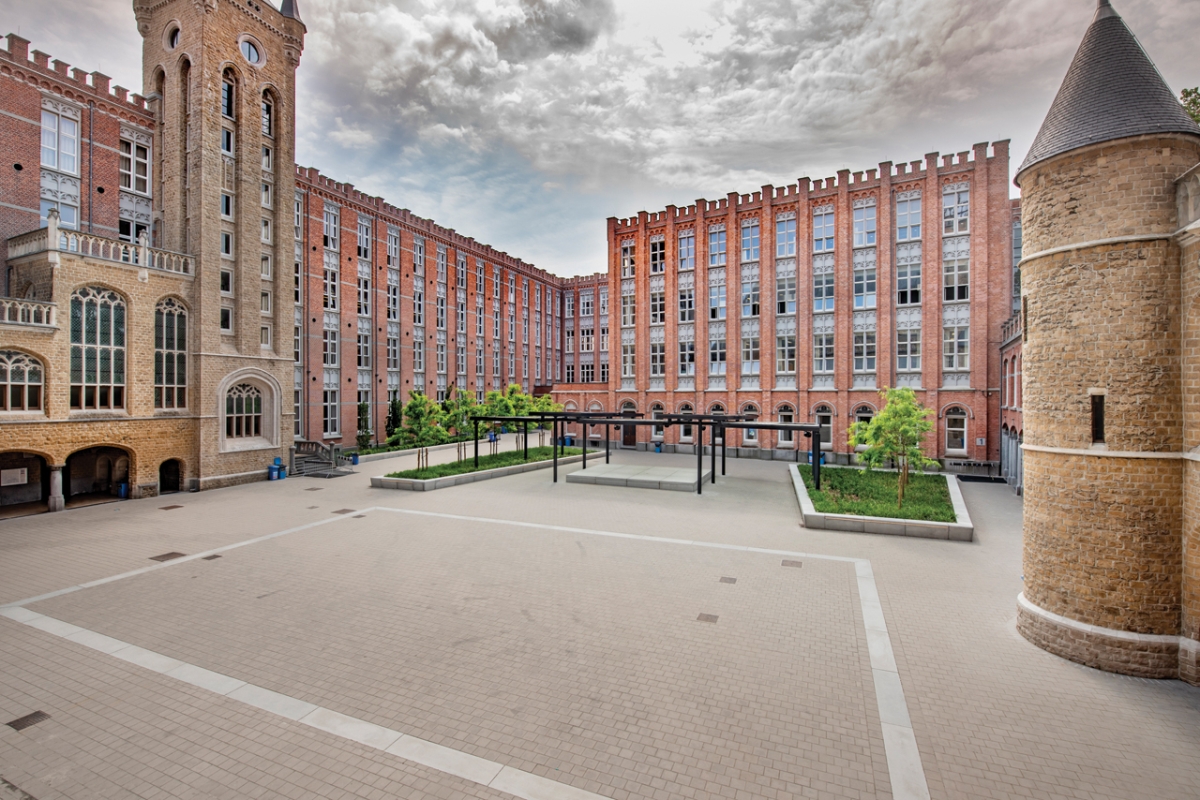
(526, 123)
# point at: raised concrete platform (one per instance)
(671, 478)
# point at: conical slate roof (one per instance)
(1111, 91)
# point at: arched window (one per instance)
(97, 349)
(824, 418)
(750, 435)
(1005, 394)
(717, 410)
(20, 382)
(1017, 383)
(243, 412)
(229, 94)
(170, 355)
(864, 413)
(956, 431)
(787, 415)
(656, 412)
(268, 114)
(685, 431)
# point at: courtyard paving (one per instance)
(547, 641)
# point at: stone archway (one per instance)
(96, 475)
(24, 484)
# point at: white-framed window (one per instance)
(570, 341)
(658, 256)
(297, 218)
(461, 271)
(226, 244)
(226, 320)
(786, 416)
(331, 225)
(628, 258)
(750, 435)
(228, 97)
(227, 146)
(268, 158)
(570, 373)
(785, 355)
(824, 418)
(97, 349)
(956, 279)
(267, 193)
(266, 231)
(716, 247)
(864, 351)
(751, 356)
(130, 231)
(393, 249)
(785, 294)
(393, 352)
(418, 306)
(751, 241)
(823, 231)
(226, 206)
(908, 350)
(135, 167)
(823, 291)
(956, 211)
(22, 378)
(908, 219)
(68, 215)
(264, 335)
(364, 238)
(956, 431)
(716, 357)
(585, 305)
(330, 282)
(226, 283)
(264, 302)
(418, 356)
(570, 305)
(823, 353)
(658, 360)
(656, 412)
(364, 350)
(604, 339)
(296, 282)
(864, 226)
(864, 414)
(687, 251)
(864, 287)
(170, 354)
(329, 348)
(750, 298)
(687, 304)
(243, 412)
(268, 116)
(685, 431)
(956, 347)
(587, 340)
(440, 307)
(364, 295)
(908, 283)
(658, 308)
(716, 302)
(628, 361)
(785, 237)
(393, 301)
(687, 358)
(60, 142)
(330, 410)
(297, 339)
(628, 311)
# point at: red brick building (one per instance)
(802, 302)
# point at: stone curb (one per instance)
(414, 485)
(434, 449)
(961, 530)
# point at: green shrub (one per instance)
(506, 459)
(873, 494)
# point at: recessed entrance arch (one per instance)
(168, 476)
(24, 484)
(95, 475)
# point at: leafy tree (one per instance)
(457, 411)
(394, 417)
(895, 434)
(544, 403)
(1191, 102)
(422, 425)
(364, 426)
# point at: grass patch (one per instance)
(873, 494)
(506, 459)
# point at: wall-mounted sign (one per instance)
(14, 477)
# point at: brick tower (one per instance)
(221, 76)
(1111, 358)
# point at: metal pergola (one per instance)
(717, 423)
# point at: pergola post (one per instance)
(476, 443)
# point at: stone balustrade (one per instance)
(55, 238)
(27, 312)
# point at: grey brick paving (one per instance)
(573, 657)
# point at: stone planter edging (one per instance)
(414, 485)
(961, 530)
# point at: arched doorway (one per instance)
(628, 432)
(24, 484)
(168, 476)
(95, 475)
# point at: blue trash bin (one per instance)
(354, 459)
(123, 491)
(272, 473)
(282, 472)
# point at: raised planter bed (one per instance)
(415, 485)
(961, 530)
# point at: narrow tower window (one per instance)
(1097, 418)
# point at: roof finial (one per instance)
(1104, 10)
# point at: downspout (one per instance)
(91, 150)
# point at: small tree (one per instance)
(456, 415)
(364, 426)
(544, 403)
(895, 434)
(394, 417)
(421, 417)
(1191, 102)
